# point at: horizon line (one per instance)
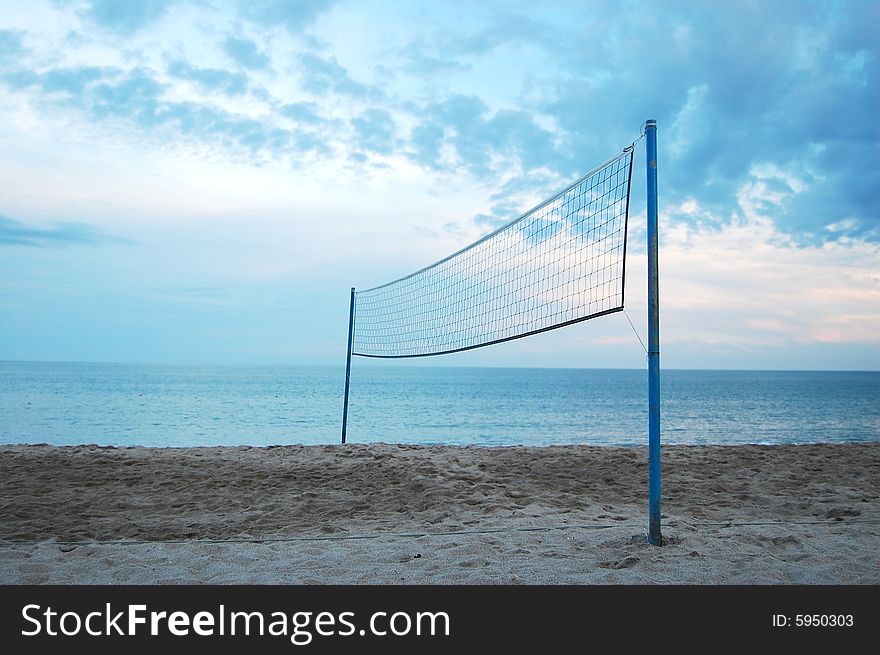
(397, 364)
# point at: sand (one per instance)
(379, 513)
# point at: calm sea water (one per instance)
(189, 406)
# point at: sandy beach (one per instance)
(379, 513)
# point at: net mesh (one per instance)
(557, 264)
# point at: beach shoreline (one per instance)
(383, 513)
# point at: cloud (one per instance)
(707, 82)
(136, 95)
(747, 285)
(426, 141)
(16, 233)
(375, 130)
(72, 80)
(208, 124)
(463, 127)
(245, 53)
(745, 291)
(321, 76)
(10, 46)
(295, 16)
(303, 112)
(729, 92)
(211, 79)
(425, 60)
(20, 79)
(124, 16)
(539, 102)
(504, 28)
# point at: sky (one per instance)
(202, 182)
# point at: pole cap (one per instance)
(650, 123)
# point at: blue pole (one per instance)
(348, 364)
(654, 513)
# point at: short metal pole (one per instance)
(348, 365)
(654, 511)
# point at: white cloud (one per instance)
(748, 285)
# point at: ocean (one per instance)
(123, 405)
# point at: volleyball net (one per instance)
(559, 263)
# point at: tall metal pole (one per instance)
(348, 365)
(654, 511)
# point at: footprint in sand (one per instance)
(625, 563)
(840, 513)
